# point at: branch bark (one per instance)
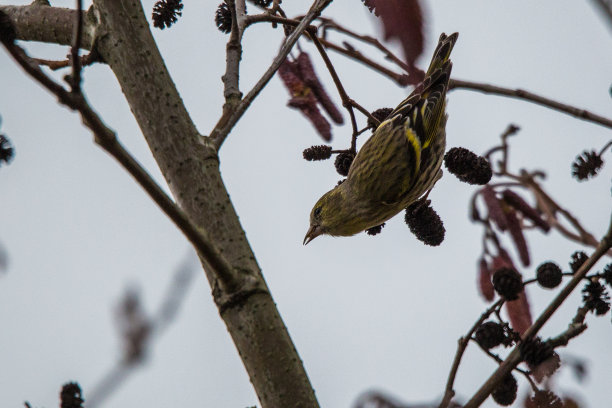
(190, 165)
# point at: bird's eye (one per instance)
(317, 211)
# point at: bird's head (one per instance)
(332, 215)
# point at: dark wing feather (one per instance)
(386, 164)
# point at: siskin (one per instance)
(398, 164)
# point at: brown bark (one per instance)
(190, 165)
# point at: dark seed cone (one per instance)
(490, 334)
(380, 114)
(505, 392)
(261, 3)
(343, 163)
(578, 258)
(467, 166)
(6, 150)
(544, 399)
(223, 18)
(167, 12)
(586, 165)
(71, 396)
(596, 298)
(508, 283)
(534, 351)
(375, 230)
(607, 274)
(516, 201)
(7, 31)
(425, 223)
(549, 275)
(320, 152)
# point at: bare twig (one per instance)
(346, 101)
(531, 97)
(175, 295)
(329, 24)
(449, 392)
(606, 9)
(551, 208)
(55, 65)
(234, 112)
(514, 358)
(455, 83)
(400, 79)
(269, 18)
(75, 80)
(107, 139)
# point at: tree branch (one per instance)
(107, 139)
(514, 358)
(531, 97)
(449, 392)
(49, 24)
(605, 6)
(234, 113)
(190, 165)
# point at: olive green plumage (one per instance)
(398, 164)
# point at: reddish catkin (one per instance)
(516, 232)
(519, 313)
(518, 203)
(484, 280)
(311, 79)
(494, 206)
(303, 99)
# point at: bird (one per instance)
(398, 164)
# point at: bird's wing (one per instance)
(385, 166)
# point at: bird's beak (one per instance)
(313, 232)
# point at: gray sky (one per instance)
(365, 312)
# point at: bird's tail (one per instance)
(442, 52)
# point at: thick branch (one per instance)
(107, 139)
(49, 24)
(190, 166)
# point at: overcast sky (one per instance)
(380, 312)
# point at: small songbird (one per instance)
(398, 164)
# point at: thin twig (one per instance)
(603, 149)
(514, 358)
(449, 392)
(55, 65)
(531, 97)
(107, 139)
(233, 114)
(269, 18)
(606, 8)
(400, 79)
(346, 101)
(389, 55)
(75, 80)
(499, 360)
(175, 295)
